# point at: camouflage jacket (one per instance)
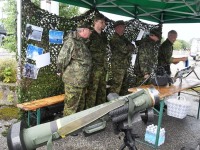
(122, 50)
(165, 53)
(74, 61)
(97, 46)
(147, 57)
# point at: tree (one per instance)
(177, 45)
(181, 45)
(185, 45)
(68, 11)
(10, 22)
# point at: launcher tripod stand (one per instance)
(186, 71)
(120, 124)
(129, 140)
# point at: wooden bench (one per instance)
(36, 105)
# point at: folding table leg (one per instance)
(198, 109)
(159, 122)
(38, 116)
(29, 115)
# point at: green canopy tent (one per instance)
(159, 11)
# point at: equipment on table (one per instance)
(183, 73)
(159, 77)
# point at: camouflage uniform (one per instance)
(146, 59)
(121, 50)
(164, 55)
(74, 61)
(96, 93)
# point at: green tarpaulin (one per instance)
(159, 11)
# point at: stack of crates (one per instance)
(151, 132)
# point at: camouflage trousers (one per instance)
(119, 84)
(74, 99)
(96, 92)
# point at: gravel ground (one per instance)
(4, 125)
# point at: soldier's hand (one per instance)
(184, 58)
(59, 74)
(146, 76)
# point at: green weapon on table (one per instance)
(21, 138)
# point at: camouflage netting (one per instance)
(48, 83)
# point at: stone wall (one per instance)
(8, 94)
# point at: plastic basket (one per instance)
(177, 107)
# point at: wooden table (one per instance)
(165, 91)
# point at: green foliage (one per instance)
(10, 24)
(36, 2)
(7, 113)
(1, 94)
(9, 43)
(181, 45)
(68, 11)
(10, 9)
(7, 73)
(185, 45)
(10, 97)
(8, 70)
(177, 45)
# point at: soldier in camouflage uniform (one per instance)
(96, 93)
(147, 56)
(165, 52)
(74, 62)
(122, 50)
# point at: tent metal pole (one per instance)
(19, 34)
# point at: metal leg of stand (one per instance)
(38, 116)
(29, 115)
(159, 122)
(198, 109)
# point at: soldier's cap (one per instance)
(119, 22)
(156, 32)
(99, 17)
(84, 25)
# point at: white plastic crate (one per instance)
(177, 107)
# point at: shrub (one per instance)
(8, 70)
(8, 113)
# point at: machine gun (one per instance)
(22, 138)
(184, 73)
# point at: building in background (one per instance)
(195, 48)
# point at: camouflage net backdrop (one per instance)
(48, 83)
